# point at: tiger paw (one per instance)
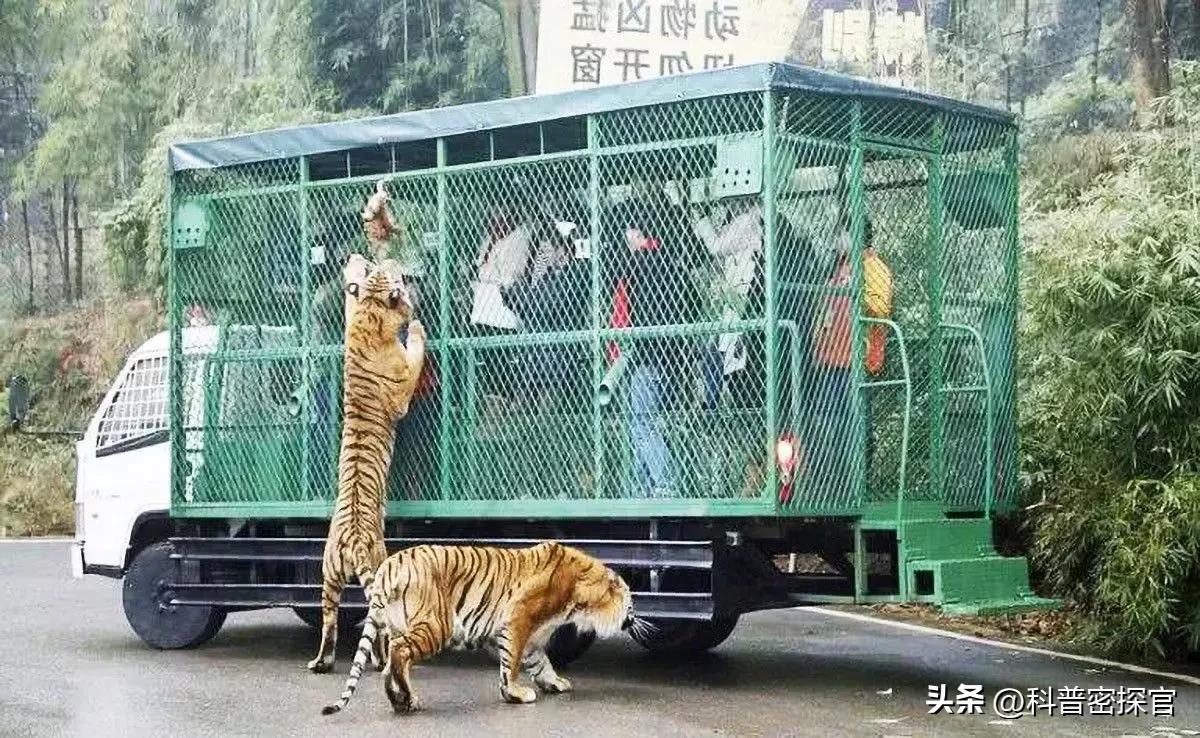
(406, 705)
(557, 685)
(320, 665)
(518, 694)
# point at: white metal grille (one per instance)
(139, 407)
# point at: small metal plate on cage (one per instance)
(738, 169)
(316, 255)
(190, 225)
(430, 241)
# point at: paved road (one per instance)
(69, 665)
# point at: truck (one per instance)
(654, 333)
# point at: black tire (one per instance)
(347, 620)
(678, 638)
(145, 594)
(567, 644)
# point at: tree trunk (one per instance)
(28, 248)
(1194, 46)
(78, 241)
(1148, 47)
(529, 38)
(510, 16)
(872, 47)
(66, 241)
(54, 252)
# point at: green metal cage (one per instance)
(642, 300)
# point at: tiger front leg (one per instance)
(398, 681)
(510, 645)
(406, 361)
(537, 665)
(414, 348)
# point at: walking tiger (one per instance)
(511, 600)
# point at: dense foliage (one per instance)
(1111, 376)
(111, 83)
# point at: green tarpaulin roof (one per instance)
(438, 122)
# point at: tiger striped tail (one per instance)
(365, 644)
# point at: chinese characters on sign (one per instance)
(676, 19)
(588, 43)
(1010, 703)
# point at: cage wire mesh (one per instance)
(626, 312)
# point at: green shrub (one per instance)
(70, 361)
(1110, 410)
(36, 486)
(1130, 557)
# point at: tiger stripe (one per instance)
(379, 376)
(428, 598)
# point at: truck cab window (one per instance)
(139, 406)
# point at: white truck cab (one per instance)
(123, 469)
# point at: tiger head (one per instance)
(600, 599)
(380, 291)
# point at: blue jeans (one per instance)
(712, 365)
(832, 433)
(652, 464)
(319, 434)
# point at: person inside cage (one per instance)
(651, 287)
(337, 238)
(834, 385)
(500, 262)
(554, 297)
(732, 232)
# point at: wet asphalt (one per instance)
(70, 666)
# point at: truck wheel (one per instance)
(348, 620)
(567, 644)
(146, 592)
(684, 637)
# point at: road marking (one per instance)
(1188, 679)
(49, 539)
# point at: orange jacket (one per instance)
(832, 339)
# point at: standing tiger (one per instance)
(511, 600)
(379, 376)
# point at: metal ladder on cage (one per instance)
(989, 446)
(863, 527)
